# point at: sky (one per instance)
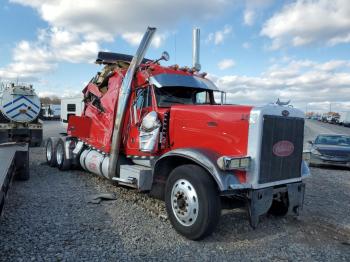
(257, 51)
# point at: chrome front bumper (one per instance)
(260, 200)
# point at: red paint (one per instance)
(189, 128)
(220, 129)
(283, 148)
(100, 127)
(79, 126)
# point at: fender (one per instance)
(204, 158)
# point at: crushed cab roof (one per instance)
(112, 58)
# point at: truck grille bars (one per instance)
(123, 98)
(281, 148)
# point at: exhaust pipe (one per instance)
(196, 49)
(123, 98)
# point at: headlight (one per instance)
(150, 122)
(234, 163)
(315, 152)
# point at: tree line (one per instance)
(53, 100)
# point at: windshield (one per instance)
(333, 140)
(170, 95)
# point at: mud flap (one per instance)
(4, 136)
(260, 201)
(22, 163)
(295, 197)
(36, 137)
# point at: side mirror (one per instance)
(310, 142)
(165, 56)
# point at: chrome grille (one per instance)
(275, 129)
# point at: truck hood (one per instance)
(220, 128)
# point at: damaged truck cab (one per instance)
(166, 130)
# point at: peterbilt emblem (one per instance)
(285, 113)
(283, 148)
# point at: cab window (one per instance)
(202, 97)
(144, 98)
(172, 95)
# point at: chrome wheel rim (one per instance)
(59, 153)
(184, 202)
(49, 151)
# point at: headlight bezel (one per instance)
(150, 122)
(234, 163)
(315, 151)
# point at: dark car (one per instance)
(332, 150)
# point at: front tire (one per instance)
(192, 202)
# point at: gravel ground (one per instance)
(48, 218)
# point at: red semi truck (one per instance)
(162, 130)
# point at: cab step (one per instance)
(135, 176)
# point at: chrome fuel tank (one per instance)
(94, 162)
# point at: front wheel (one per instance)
(192, 201)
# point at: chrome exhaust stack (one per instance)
(123, 98)
(196, 49)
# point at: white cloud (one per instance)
(246, 45)
(135, 39)
(66, 92)
(306, 22)
(302, 81)
(67, 46)
(258, 4)
(28, 61)
(32, 59)
(111, 18)
(253, 8)
(333, 65)
(77, 28)
(219, 36)
(249, 16)
(226, 63)
(132, 38)
(327, 105)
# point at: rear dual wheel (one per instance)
(51, 151)
(62, 162)
(56, 153)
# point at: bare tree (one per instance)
(50, 100)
